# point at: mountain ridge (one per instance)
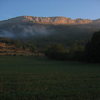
(48, 28)
(49, 20)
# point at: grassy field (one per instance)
(35, 78)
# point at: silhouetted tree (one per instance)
(92, 50)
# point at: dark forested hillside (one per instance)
(40, 32)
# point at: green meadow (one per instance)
(38, 78)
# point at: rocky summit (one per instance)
(50, 20)
(55, 20)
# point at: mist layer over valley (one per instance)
(48, 29)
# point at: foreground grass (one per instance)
(34, 78)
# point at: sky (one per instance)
(86, 9)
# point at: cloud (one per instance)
(7, 34)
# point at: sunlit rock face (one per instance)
(48, 20)
(54, 20)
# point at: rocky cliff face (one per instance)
(49, 20)
(55, 20)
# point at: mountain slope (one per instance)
(47, 20)
(48, 29)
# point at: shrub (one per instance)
(56, 52)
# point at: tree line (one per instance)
(88, 53)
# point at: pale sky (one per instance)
(86, 9)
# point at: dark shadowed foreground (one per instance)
(35, 78)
